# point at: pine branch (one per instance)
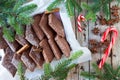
(54, 4)
(76, 5)
(76, 55)
(21, 71)
(69, 7)
(95, 7)
(47, 70)
(107, 73)
(61, 69)
(13, 15)
(69, 4)
(8, 34)
(106, 10)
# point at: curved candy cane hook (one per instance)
(114, 36)
(79, 19)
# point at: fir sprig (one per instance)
(61, 69)
(107, 73)
(69, 4)
(21, 71)
(13, 15)
(95, 7)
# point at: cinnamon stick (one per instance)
(52, 11)
(25, 47)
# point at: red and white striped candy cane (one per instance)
(107, 52)
(79, 19)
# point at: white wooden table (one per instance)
(114, 59)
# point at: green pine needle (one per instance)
(106, 10)
(8, 34)
(69, 7)
(54, 4)
(14, 15)
(69, 4)
(61, 70)
(21, 71)
(106, 73)
(76, 55)
(47, 69)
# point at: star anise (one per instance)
(115, 7)
(115, 13)
(96, 31)
(117, 19)
(106, 42)
(93, 42)
(100, 44)
(102, 20)
(110, 22)
(94, 50)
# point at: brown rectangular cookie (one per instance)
(29, 63)
(21, 39)
(16, 60)
(55, 48)
(14, 46)
(63, 45)
(47, 52)
(36, 55)
(45, 27)
(7, 61)
(3, 44)
(37, 28)
(31, 36)
(56, 25)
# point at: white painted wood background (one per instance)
(114, 60)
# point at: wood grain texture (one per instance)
(114, 60)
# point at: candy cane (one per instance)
(114, 36)
(80, 18)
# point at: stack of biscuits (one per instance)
(42, 41)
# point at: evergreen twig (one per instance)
(61, 69)
(13, 15)
(21, 71)
(106, 73)
(69, 4)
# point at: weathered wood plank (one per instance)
(114, 59)
(116, 48)
(82, 37)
